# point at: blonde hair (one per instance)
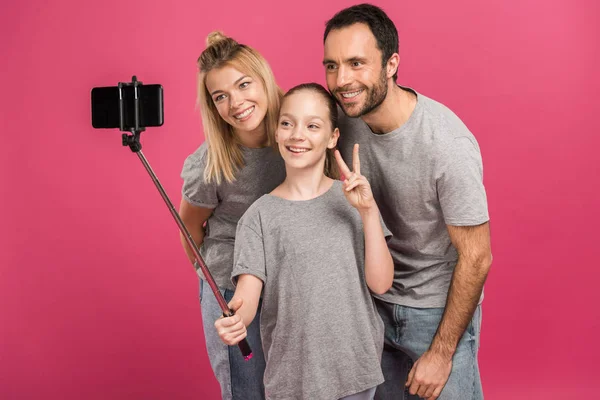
(225, 156)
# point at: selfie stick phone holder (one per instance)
(133, 141)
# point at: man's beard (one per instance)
(375, 96)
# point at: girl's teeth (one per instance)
(296, 150)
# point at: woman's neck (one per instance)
(254, 139)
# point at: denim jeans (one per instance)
(408, 334)
(364, 395)
(239, 379)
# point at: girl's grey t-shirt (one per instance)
(264, 170)
(322, 336)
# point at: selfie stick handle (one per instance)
(133, 141)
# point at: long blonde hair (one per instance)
(225, 157)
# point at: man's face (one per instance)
(353, 69)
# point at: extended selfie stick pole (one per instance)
(133, 141)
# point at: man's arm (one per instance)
(430, 373)
(470, 273)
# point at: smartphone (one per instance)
(105, 106)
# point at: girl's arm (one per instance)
(244, 303)
(379, 267)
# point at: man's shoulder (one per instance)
(442, 129)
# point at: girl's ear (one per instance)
(334, 138)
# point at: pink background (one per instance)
(97, 299)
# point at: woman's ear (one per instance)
(334, 138)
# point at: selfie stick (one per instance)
(133, 141)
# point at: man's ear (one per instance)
(392, 65)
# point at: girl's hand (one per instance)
(232, 330)
(356, 187)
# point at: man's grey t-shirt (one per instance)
(424, 175)
(321, 334)
(264, 170)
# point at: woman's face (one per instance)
(304, 131)
(240, 99)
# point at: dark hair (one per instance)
(331, 169)
(376, 19)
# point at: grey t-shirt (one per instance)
(321, 334)
(424, 175)
(264, 170)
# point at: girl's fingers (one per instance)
(357, 181)
(355, 160)
(351, 186)
(239, 337)
(352, 177)
(341, 164)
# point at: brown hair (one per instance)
(331, 168)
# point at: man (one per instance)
(426, 174)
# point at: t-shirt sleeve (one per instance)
(196, 190)
(249, 250)
(459, 184)
(386, 232)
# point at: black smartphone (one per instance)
(105, 106)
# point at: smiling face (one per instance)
(305, 130)
(354, 71)
(240, 99)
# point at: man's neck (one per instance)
(395, 110)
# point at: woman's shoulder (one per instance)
(199, 155)
(196, 161)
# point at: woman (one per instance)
(239, 103)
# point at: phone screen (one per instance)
(105, 106)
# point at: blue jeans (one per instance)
(239, 379)
(364, 395)
(408, 334)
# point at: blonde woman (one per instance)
(238, 163)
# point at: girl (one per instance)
(314, 246)
(239, 102)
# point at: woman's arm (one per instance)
(193, 218)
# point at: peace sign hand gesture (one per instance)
(356, 187)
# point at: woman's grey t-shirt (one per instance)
(264, 170)
(321, 334)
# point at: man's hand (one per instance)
(429, 375)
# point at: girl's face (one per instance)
(240, 99)
(304, 131)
